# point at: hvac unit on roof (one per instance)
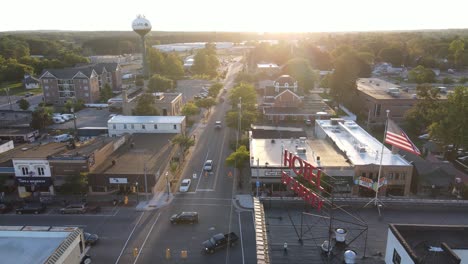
(301, 150)
(362, 150)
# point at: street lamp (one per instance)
(138, 198)
(239, 125)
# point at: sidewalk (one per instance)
(158, 200)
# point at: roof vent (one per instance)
(340, 234)
(362, 150)
(272, 141)
(350, 256)
(326, 246)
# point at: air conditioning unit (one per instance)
(362, 150)
(301, 150)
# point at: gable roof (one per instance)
(288, 91)
(67, 73)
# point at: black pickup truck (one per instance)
(219, 241)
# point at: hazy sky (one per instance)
(235, 15)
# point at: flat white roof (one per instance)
(30, 245)
(266, 151)
(267, 65)
(120, 119)
(359, 146)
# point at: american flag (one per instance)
(397, 137)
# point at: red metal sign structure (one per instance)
(302, 168)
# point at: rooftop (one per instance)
(378, 89)
(419, 239)
(267, 65)
(33, 151)
(146, 119)
(29, 245)
(359, 146)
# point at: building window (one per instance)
(371, 175)
(25, 171)
(85, 88)
(125, 126)
(175, 126)
(46, 81)
(46, 87)
(47, 94)
(40, 171)
(155, 126)
(143, 127)
(85, 81)
(396, 257)
(132, 126)
(397, 176)
(377, 109)
(363, 174)
(403, 176)
(86, 94)
(113, 126)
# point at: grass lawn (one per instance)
(17, 89)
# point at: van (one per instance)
(58, 120)
(61, 138)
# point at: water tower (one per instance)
(142, 26)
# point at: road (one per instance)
(210, 194)
(33, 102)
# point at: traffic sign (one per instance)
(229, 174)
(258, 184)
(194, 176)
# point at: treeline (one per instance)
(16, 59)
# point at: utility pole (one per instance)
(167, 183)
(72, 110)
(7, 90)
(239, 126)
(258, 172)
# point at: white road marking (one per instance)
(146, 238)
(200, 204)
(219, 161)
(128, 239)
(242, 242)
(204, 198)
(205, 190)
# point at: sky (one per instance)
(234, 15)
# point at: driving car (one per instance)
(218, 124)
(31, 208)
(185, 185)
(184, 217)
(90, 239)
(208, 165)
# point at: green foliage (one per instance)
(325, 82)
(205, 62)
(248, 117)
(214, 89)
(206, 102)
(457, 48)
(238, 158)
(11, 70)
(265, 52)
(392, 54)
(190, 109)
(247, 93)
(155, 61)
(139, 82)
(421, 75)
(448, 80)
(13, 48)
(173, 66)
(184, 142)
(41, 118)
(300, 70)
(159, 83)
(23, 104)
(419, 117)
(244, 77)
(463, 80)
(106, 93)
(68, 105)
(145, 106)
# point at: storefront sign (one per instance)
(34, 181)
(273, 173)
(118, 180)
(366, 182)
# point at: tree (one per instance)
(449, 123)
(205, 62)
(248, 117)
(155, 61)
(238, 160)
(214, 89)
(206, 103)
(145, 106)
(190, 109)
(247, 93)
(106, 93)
(69, 104)
(183, 141)
(300, 69)
(159, 83)
(392, 54)
(23, 104)
(173, 66)
(421, 75)
(41, 117)
(420, 116)
(457, 48)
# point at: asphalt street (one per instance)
(33, 102)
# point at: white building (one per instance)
(31, 174)
(41, 244)
(31, 82)
(119, 125)
(413, 244)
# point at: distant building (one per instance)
(167, 104)
(42, 244)
(15, 119)
(120, 59)
(84, 82)
(414, 244)
(31, 82)
(379, 95)
(119, 125)
(269, 69)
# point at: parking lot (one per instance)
(88, 117)
(190, 88)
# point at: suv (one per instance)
(184, 217)
(32, 208)
(218, 124)
(208, 165)
(74, 209)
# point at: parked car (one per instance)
(185, 185)
(86, 259)
(308, 122)
(68, 116)
(5, 208)
(219, 241)
(74, 209)
(208, 165)
(184, 217)
(218, 124)
(31, 208)
(58, 120)
(424, 136)
(90, 239)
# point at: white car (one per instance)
(218, 124)
(185, 185)
(208, 165)
(425, 136)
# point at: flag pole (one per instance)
(381, 159)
